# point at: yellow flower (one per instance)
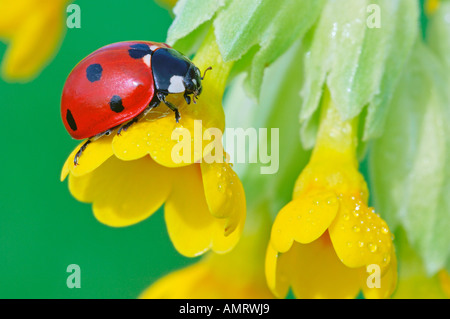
(419, 286)
(444, 279)
(413, 281)
(169, 4)
(33, 30)
(431, 6)
(128, 177)
(238, 274)
(322, 241)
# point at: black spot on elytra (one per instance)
(71, 120)
(139, 50)
(116, 104)
(94, 72)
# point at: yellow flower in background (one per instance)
(128, 177)
(33, 30)
(169, 4)
(431, 6)
(444, 279)
(238, 274)
(322, 241)
(414, 282)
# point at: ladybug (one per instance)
(118, 84)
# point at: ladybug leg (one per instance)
(127, 125)
(94, 138)
(80, 151)
(187, 98)
(162, 97)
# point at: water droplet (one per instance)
(372, 247)
(361, 244)
(368, 229)
(346, 217)
(349, 244)
(386, 259)
(384, 230)
(356, 229)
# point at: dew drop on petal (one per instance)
(386, 259)
(372, 247)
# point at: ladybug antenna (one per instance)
(204, 73)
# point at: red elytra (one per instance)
(109, 87)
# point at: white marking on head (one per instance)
(146, 59)
(176, 84)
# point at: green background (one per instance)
(43, 229)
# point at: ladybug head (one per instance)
(193, 81)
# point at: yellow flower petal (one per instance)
(223, 240)
(35, 41)
(360, 237)
(277, 271)
(153, 135)
(189, 222)
(388, 281)
(224, 194)
(304, 219)
(12, 13)
(203, 281)
(95, 154)
(191, 226)
(123, 193)
(180, 284)
(318, 273)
